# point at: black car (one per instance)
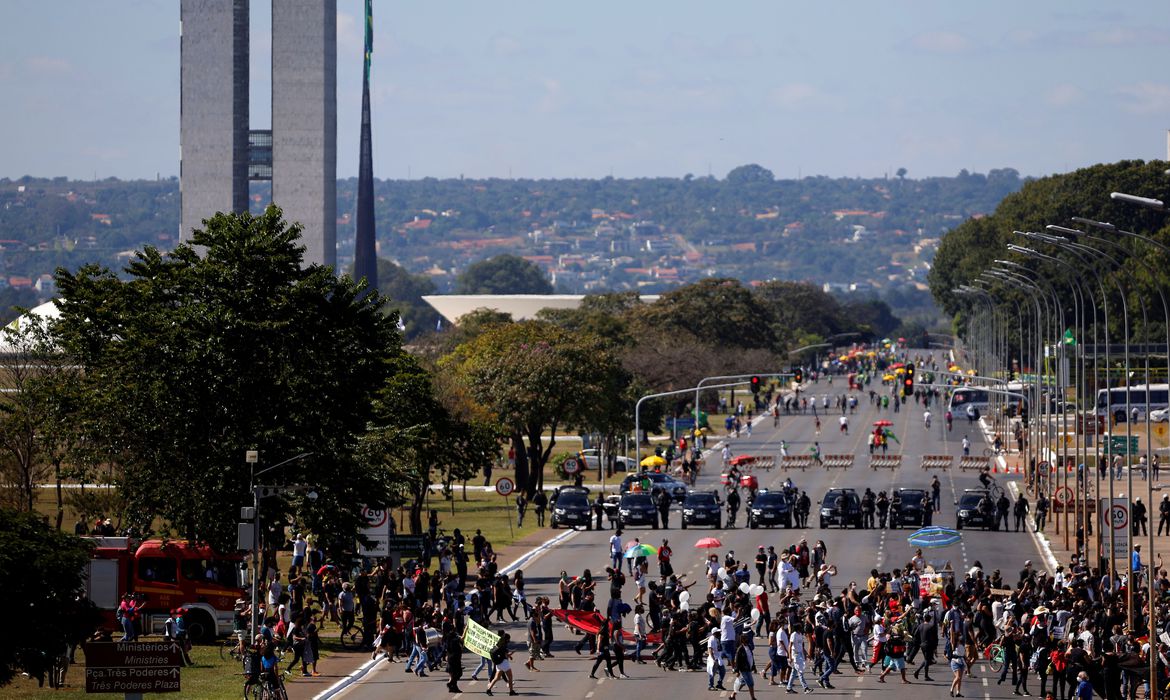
(770, 508)
(658, 483)
(831, 514)
(968, 513)
(572, 507)
(702, 508)
(637, 509)
(907, 509)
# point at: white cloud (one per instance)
(552, 99)
(1145, 98)
(941, 42)
(1063, 95)
(48, 65)
(794, 95)
(505, 45)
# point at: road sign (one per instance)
(680, 423)
(570, 466)
(375, 517)
(505, 486)
(1115, 519)
(1118, 445)
(132, 667)
(1063, 495)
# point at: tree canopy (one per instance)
(226, 344)
(503, 274)
(41, 572)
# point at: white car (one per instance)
(1159, 415)
(592, 457)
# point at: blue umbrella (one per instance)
(934, 537)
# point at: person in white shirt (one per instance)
(615, 550)
(715, 662)
(300, 548)
(727, 634)
(789, 576)
(274, 591)
(797, 655)
(780, 663)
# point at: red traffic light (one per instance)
(755, 384)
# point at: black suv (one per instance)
(832, 515)
(770, 508)
(658, 482)
(637, 509)
(702, 508)
(967, 511)
(906, 509)
(572, 507)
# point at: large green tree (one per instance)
(40, 574)
(537, 377)
(229, 343)
(414, 437)
(503, 274)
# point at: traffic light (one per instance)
(798, 375)
(908, 380)
(755, 385)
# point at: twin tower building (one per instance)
(220, 154)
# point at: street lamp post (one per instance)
(638, 411)
(252, 457)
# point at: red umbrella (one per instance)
(708, 543)
(883, 423)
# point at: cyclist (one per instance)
(926, 419)
(732, 504)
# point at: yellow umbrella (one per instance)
(653, 461)
(888, 378)
(971, 371)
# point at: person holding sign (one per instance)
(500, 656)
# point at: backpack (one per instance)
(497, 655)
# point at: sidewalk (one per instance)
(339, 664)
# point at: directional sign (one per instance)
(132, 667)
(571, 466)
(505, 486)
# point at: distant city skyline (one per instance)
(547, 90)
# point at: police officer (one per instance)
(662, 500)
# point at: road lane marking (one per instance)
(589, 694)
(857, 693)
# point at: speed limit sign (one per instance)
(1115, 526)
(1063, 495)
(505, 486)
(571, 466)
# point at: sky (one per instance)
(551, 89)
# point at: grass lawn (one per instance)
(209, 679)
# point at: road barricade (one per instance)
(937, 461)
(801, 462)
(973, 462)
(885, 462)
(837, 461)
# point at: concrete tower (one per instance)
(304, 121)
(213, 107)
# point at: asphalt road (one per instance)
(853, 551)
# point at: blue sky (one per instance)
(543, 88)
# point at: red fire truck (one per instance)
(171, 574)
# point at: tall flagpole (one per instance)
(365, 258)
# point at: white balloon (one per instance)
(755, 614)
(721, 573)
(756, 591)
(744, 587)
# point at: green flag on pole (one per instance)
(369, 36)
(1068, 337)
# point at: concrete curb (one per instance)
(361, 671)
(1039, 539)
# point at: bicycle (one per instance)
(993, 654)
(350, 636)
(270, 687)
(232, 648)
